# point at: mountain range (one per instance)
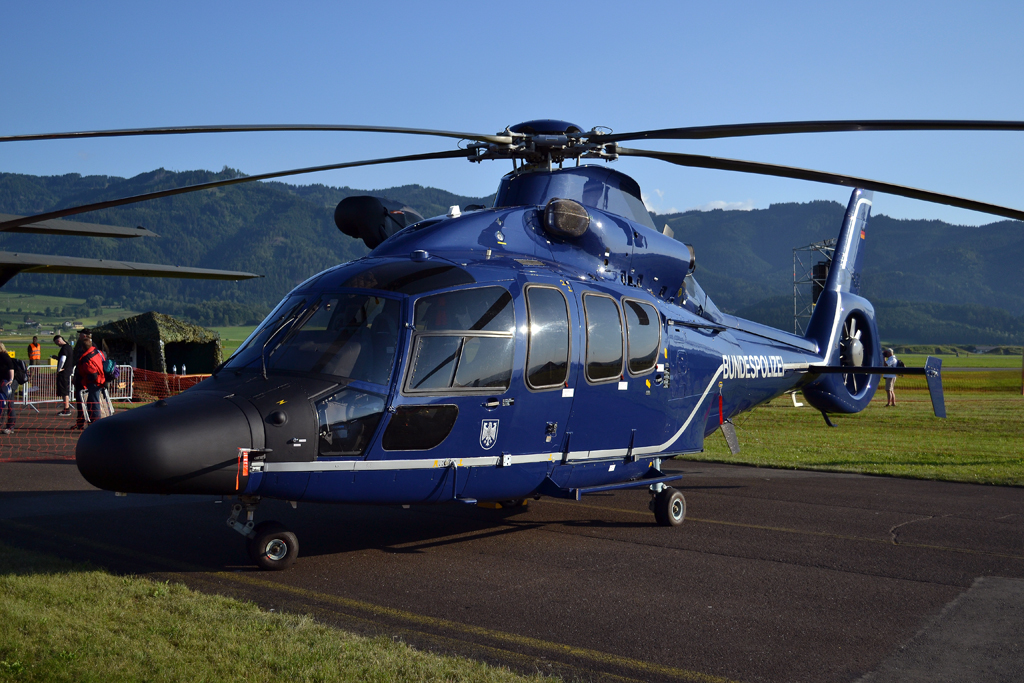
(932, 282)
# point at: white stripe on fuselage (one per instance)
(484, 461)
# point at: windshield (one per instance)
(343, 335)
(274, 323)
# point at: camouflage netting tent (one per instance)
(154, 341)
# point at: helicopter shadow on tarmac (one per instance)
(46, 505)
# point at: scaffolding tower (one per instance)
(810, 270)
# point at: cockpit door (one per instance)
(455, 399)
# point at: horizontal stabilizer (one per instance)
(12, 264)
(59, 227)
(932, 372)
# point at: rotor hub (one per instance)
(546, 141)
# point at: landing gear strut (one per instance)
(669, 506)
(270, 545)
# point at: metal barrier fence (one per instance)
(42, 433)
(41, 386)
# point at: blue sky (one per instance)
(479, 66)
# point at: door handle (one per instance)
(492, 403)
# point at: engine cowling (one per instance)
(367, 218)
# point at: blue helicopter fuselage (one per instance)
(474, 357)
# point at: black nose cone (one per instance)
(186, 444)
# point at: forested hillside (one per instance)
(283, 232)
(970, 277)
(744, 257)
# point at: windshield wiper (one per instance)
(263, 351)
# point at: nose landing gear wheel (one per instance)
(273, 547)
(669, 507)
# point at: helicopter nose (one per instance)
(185, 444)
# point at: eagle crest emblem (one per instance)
(488, 433)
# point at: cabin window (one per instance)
(604, 338)
(463, 341)
(419, 428)
(347, 421)
(643, 336)
(547, 355)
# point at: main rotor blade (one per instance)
(701, 161)
(256, 128)
(60, 213)
(12, 264)
(77, 229)
(739, 130)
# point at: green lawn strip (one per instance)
(963, 361)
(68, 622)
(979, 442)
(232, 337)
(967, 382)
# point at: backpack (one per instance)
(20, 371)
(900, 364)
(107, 363)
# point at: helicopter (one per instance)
(554, 344)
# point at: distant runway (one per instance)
(776, 575)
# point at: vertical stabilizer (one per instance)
(843, 275)
(843, 323)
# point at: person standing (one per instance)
(90, 367)
(77, 385)
(7, 389)
(890, 380)
(64, 365)
(35, 352)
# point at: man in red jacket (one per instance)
(90, 365)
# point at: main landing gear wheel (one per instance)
(273, 546)
(669, 507)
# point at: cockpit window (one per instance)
(341, 335)
(347, 421)
(273, 325)
(463, 341)
(487, 309)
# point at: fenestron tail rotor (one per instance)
(851, 355)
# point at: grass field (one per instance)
(981, 440)
(975, 360)
(232, 337)
(65, 622)
(35, 304)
